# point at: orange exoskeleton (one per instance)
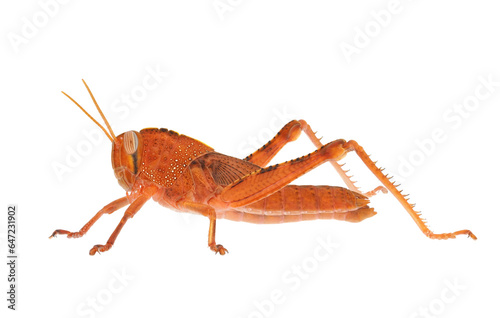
(184, 174)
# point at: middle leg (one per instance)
(209, 212)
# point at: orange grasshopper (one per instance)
(184, 174)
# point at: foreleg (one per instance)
(108, 209)
(134, 207)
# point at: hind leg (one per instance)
(354, 146)
(291, 132)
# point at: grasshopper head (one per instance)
(127, 148)
(126, 158)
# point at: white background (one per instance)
(232, 76)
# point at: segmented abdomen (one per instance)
(297, 199)
(296, 203)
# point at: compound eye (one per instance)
(130, 142)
